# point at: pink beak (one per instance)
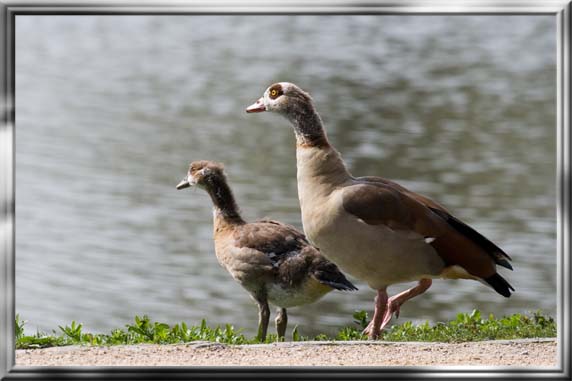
(257, 106)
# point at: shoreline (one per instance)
(516, 354)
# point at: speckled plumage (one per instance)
(273, 261)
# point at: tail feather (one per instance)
(329, 274)
(346, 286)
(500, 285)
(501, 261)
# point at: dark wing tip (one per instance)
(340, 286)
(499, 256)
(504, 263)
(333, 277)
(500, 285)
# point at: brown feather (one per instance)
(379, 201)
(293, 257)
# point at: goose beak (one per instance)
(257, 106)
(183, 184)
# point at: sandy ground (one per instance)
(518, 353)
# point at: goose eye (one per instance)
(273, 93)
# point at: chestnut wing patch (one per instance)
(377, 204)
(380, 181)
(499, 256)
(379, 201)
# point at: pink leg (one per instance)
(396, 301)
(373, 328)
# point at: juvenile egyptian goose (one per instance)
(273, 261)
(373, 228)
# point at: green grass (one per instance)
(471, 327)
(466, 327)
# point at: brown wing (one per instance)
(499, 256)
(387, 203)
(292, 256)
(392, 184)
(270, 237)
(328, 273)
(379, 201)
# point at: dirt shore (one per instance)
(517, 353)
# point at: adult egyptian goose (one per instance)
(373, 228)
(273, 261)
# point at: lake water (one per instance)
(111, 109)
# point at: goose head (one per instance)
(297, 106)
(202, 173)
(284, 98)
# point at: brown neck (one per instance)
(316, 157)
(313, 141)
(307, 125)
(223, 200)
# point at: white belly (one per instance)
(309, 292)
(375, 254)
